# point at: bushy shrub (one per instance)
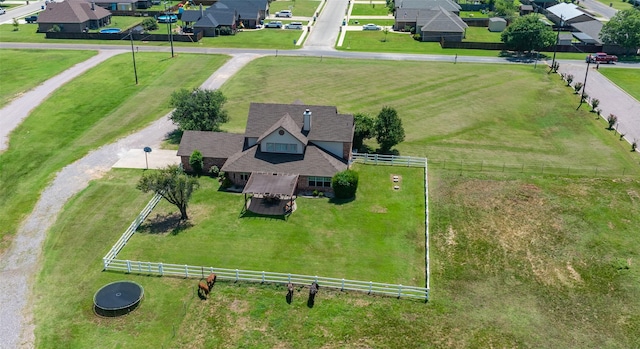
(150, 24)
(345, 184)
(225, 31)
(214, 171)
(226, 183)
(196, 161)
(417, 37)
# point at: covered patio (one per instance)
(270, 194)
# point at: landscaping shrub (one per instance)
(417, 37)
(150, 24)
(345, 184)
(214, 171)
(577, 87)
(594, 104)
(612, 120)
(196, 161)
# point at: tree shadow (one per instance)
(341, 201)
(165, 224)
(174, 137)
(394, 151)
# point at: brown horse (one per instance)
(313, 290)
(211, 280)
(289, 293)
(203, 290)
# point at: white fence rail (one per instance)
(189, 271)
(393, 160)
(113, 253)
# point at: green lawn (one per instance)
(456, 112)
(369, 10)
(626, 79)
(124, 23)
(617, 4)
(62, 130)
(304, 8)
(481, 34)
(381, 22)
(376, 237)
(20, 75)
(473, 14)
(537, 262)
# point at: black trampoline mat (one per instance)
(118, 295)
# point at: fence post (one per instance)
(237, 275)
(342, 287)
(104, 264)
(139, 266)
(149, 267)
(160, 269)
(399, 290)
(263, 276)
(186, 271)
(289, 277)
(128, 266)
(370, 286)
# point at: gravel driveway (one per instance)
(18, 265)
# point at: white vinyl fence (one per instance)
(189, 271)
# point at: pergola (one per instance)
(271, 193)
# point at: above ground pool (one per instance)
(167, 19)
(110, 31)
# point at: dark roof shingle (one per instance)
(211, 144)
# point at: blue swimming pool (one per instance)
(110, 31)
(167, 19)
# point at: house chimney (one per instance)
(93, 6)
(306, 126)
(201, 11)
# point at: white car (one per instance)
(2, 11)
(275, 24)
(370, 26)
(294, 25)
(284, 13)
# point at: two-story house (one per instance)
(312, 142)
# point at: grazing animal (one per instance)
(313, 289)
(211, 279)
(203, 290)
(289, 293)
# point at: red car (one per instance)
(601, 57)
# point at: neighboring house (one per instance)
(311, 142)
(211, 22)
(73, 16)
(588, 32)
(568, 14)
(250, 12)
(447, 5)
(123, 5)
(433, 25)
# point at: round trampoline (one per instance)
(117, 298)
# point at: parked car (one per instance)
(2, 11)
(601, 57)
(274, 24)
(370, 26)
(284, 13)
(31, 19)
(294, 25)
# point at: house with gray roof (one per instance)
(433, 24)
(73, 16)
(448, 5)
(310, 141)
(568, 14)
(123, 5)
(212, 22)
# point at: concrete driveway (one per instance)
(158, 158)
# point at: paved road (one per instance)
(19, 264)
(21, 11)
(599, 8)
(12, 114)
(613, 100)
(325, 31)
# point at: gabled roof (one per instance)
(567, 11)
(211, 144)
(448, 5)
(71, 11)
(440, 21)
(589, 28)
(326, 124)
(247, 9)
(209, 18)
(287, 123)
(313, 162)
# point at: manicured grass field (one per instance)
(304, 8)
(20, 75)
(518, 261)
(381, 22)
(61, 130)
(480, 34)
(626, 79)
(263, 38)
(125, 22)
(457, 112)
(473, 14)
(379, 236)
(369, 10)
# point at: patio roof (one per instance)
(273, 184)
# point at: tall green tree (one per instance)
(198, 110)
(389, 130)
(172, 184)
(623, 29)
(505, 8)
(528, 33)
(365, 129)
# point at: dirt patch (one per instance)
(238, 306)
(451, 237)
(633, 195)
(378, 209)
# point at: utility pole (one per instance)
(133, 54)
(584, 85)
(555, 48)
(169, 33)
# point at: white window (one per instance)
(323, 182)
(244, 176)
(282, 148)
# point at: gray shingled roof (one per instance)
(211, 144)
(326, 124)
(591, 29)
(441, 21)
(71, 11)
(448, 5)
(313, 162)
(287, 123)
(247, 9)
